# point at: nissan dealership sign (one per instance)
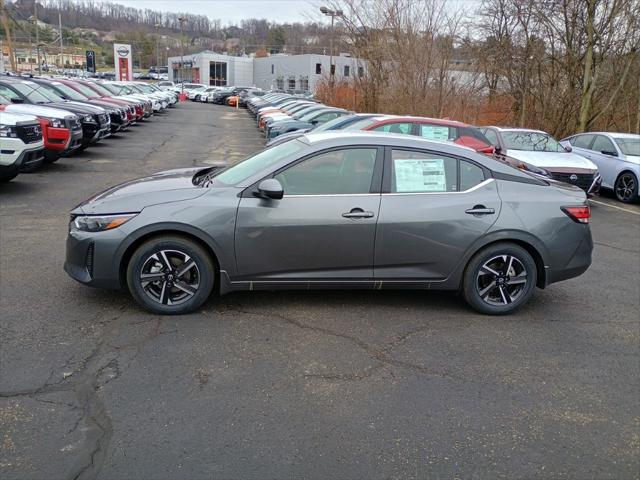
(123, 59)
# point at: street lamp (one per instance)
(182, 20)
(157, 27)
(333, 14)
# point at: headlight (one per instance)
(98, 223)
(55, 122)
(89, 119)
(8, 131)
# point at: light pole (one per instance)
(182, 20)
(157, 27)
(333, 14)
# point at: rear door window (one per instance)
(581, 141)
(603, 144)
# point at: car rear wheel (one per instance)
(499, 279)
(626, 187)
(170, 275)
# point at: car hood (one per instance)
(134, 195)
(552, 159)
(38, 110)
(292, 124)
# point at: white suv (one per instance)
(22, 144)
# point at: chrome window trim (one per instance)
(476, 187)
(334, 195)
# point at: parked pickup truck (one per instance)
(22, 146)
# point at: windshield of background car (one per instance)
(49, 92)
(29, 92)
(100, 89)
(4, 100)
(360, 124)
(68, 91)
(331, 123)
(252, 165)
(305, 111)
(86, 91)
(629, 146)
(531, 141)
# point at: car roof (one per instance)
(436, 121)
(516, 129)
(611, 134)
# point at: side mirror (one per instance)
(568, 148)
(17, 100)
(609, 152)
(270, 188)
(497, 149)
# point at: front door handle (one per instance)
(480, 210)
(357, 213)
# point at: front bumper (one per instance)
(588, 181)
(15, 161)
(91, 257)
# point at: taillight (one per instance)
(579, 214)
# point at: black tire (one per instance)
(163, 296)
(626, 187)
(491, 287)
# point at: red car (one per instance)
(430, 128)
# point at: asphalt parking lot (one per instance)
(259, 385)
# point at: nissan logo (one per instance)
(123, 51)
(573, 177)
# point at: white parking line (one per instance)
(614, 206)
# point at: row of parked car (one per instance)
(44, 119)
(589, 160)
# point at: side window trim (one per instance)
(376, 181)
(388, 168)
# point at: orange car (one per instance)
(233, 100)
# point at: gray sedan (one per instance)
(617, 156)
(334, 210)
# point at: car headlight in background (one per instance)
(55, 122)
(100, 223)
(7, 131)
(89, 119)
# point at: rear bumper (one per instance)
(577, 263)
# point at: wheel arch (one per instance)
(531, 244)
(140, 236)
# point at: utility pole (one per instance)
(182, 20)
(5, 26)
(35, 14)
(157, 27)
(60, 28)
(333, 14)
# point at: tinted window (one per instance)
(603, 144)
(347, 171)
(418, 172)
(469, 136)
(404, 128)
(470, 175)
(581, 141)
(8, 93)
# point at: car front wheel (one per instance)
(499, 279)
(170, 275)
(626, 187)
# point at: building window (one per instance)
(304, 83)
(218, 74)
(272, 69)
(360, 72)
(291, 83)
(318, 68)
(280, 83)
(333, 69)
(346, 70)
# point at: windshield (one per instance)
(100, 89)
(331, 123)
(252, 165)
(531, 141)
(629, 146)
(68, 91)
(311, 115)
(30, 92)
(360, 124)
(49, 92)
(86, 90)
(305, 111)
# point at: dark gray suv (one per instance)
(334, 210)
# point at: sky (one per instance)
(233, 11)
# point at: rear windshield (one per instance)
(629, 146)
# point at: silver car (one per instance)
(334, 210)
(617, 156)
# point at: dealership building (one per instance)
(285, 72)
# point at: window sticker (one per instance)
(435, 132)
(420, 175)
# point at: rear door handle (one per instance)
(357, 213)
(480, 210)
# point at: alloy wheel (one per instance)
(501, 280)
(625, 187)
(170, 277)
